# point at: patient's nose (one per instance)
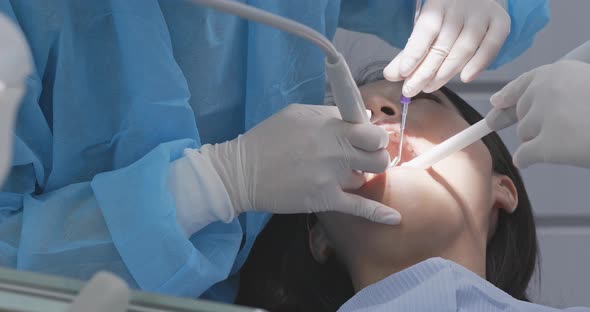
(381, 109)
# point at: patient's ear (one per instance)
(505, 193)
(504, 197)
(319, 245)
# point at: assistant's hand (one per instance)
(552, 108)
(302, 160)
(450, 36)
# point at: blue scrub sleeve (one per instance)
(392, 21)
(141, 218)
(527, 18)
(122, 221)
(105, 114)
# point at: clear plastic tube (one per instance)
(251, 13)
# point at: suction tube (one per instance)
(495, 120)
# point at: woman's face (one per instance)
(443, 209)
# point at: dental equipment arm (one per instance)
(495, 120)
(346, 93)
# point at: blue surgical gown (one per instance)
(121, 87)
(438, 285)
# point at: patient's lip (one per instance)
(386, 121)
(408, 151)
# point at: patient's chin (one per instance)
(414, 193)
(399, 186)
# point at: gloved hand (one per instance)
(449, 36)
(15, 65)
(302, 160)
(552, 108)
(105, 292)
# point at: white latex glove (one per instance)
(450, 36)
(15, 66)
(552, 108)
(301, 160)
(105, 292)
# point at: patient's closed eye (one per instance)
(427, 96)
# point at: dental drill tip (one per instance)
(394, 162)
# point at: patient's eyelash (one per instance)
(428, 96)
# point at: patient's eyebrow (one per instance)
(427, 96)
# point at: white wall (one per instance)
(560, 194)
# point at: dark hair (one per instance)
(282, 275)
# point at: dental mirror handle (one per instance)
(495, 120)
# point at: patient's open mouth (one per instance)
(408, 152)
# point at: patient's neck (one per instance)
(466, 251)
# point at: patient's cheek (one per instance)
(397, 186)
(370, 177)
(375, 187)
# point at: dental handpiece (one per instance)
(495, 120)
(347, 95)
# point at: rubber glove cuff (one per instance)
(200, 195)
